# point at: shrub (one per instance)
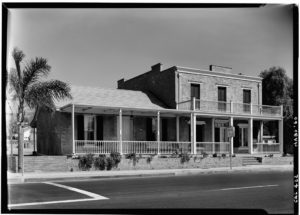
(116, 156)
(100, 162)
(195, 158)
(133, 157)
(233, 155)
(163, 156)
(205, 155)
(223, 155)
(86, 162)
(109, 163)
(184, 157)
(149, 159)
(215, 155)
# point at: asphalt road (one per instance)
(271, 191)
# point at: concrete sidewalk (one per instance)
(82, 175)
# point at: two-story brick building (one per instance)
(163, 112)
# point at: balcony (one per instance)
(230, 107)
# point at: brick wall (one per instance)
(209, 88)
(159, 83)
(54, 133)
(64, 164)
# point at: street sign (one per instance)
(230, 132)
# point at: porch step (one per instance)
(250, 161)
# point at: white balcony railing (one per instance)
(230, 107)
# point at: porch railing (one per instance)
(140, 147)
(230, 107)
(266, 147)
(164, 147)
(97, 147)
(167, 147)
(213, 147)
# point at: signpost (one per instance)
(230, 134)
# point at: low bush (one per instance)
(215, 155)
(133, 157)
(100, 162)
(184, 157)
(86, 162)
(116, 156)
(163, 156)
(149, 159)
(109, 163)
(223, 155)
(205, 155)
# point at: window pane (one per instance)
(247, 96)
(89, 127)
(195, 91)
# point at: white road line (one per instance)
(259, 186)
(51, 202)
(93, 195)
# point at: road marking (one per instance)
(51, 202)
(259, 186)
(93, 195)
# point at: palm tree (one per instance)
(30, 91)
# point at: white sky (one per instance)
(97, 47)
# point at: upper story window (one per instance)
(222, 98)
(195, 91)
(246, 99)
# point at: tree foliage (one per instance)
(29, 90)
(277, 90)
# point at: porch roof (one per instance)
(95, 96)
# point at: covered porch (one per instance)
(102, 130)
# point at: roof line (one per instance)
(218, 73)
(198, 113)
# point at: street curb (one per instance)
(133, 174)
(32, 180)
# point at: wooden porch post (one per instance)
(158, 132)
(213, 134)
(120, 131)
(250, 135)
(193, 135)
(280, 135)
(73, 128)
(231, 138)
(177, 128)
(194, 139)
(261, 131)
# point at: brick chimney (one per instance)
(120, 83)
(156, 67)
(216, 68)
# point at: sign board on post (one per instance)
(230, 132)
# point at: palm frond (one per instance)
(43, 94)
(34, 70)
(18, 54)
